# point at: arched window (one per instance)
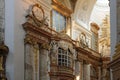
(64, 57)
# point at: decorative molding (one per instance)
(44, 35)
(45, 46)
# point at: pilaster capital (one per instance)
(28, 40)
(45, 46)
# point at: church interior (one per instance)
(59, 40)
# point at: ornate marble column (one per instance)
(86, 71)
(77, 70)
(36, 60)
(44, 50)
(29, 62)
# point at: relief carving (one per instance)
(54, 51)
(83, 41)
(37, 16)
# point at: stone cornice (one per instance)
(115, 63)
(44, 34)
(88, 56)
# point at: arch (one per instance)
(83, 11)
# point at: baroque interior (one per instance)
(58, 48)
(57, 40)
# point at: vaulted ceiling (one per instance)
(86, 11)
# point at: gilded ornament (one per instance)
(45, 46)
(28, 40)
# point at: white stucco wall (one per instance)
(9, 37)
(15, 12)
(113, 26)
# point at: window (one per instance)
(58, 21)
(64, 58)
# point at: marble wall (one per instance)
(2, 19)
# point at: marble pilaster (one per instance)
(31, 61)
(28, 62)
(43, 68)
(77, 70)
(86, 71)
(36, 61)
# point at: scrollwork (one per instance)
(37, 15)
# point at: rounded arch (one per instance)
(83, 11)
